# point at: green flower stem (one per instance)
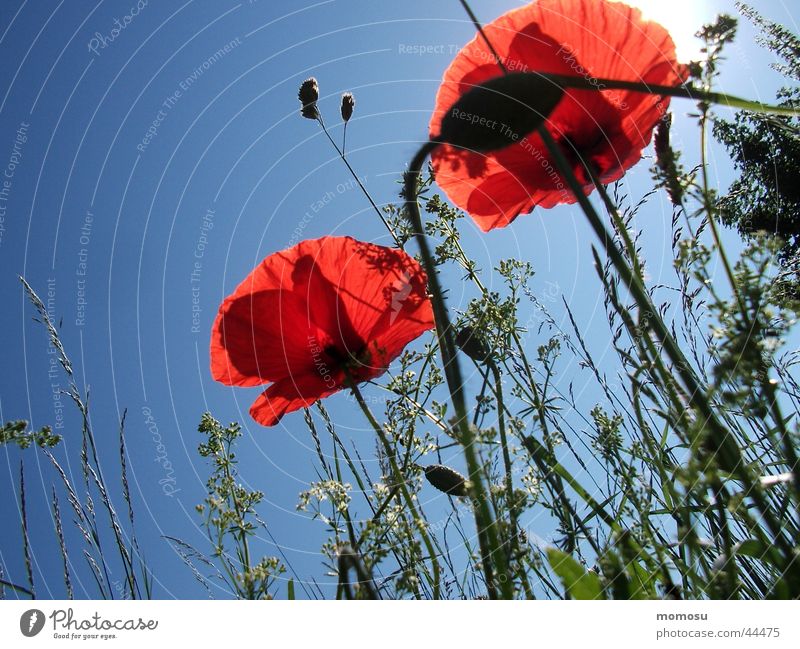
(351, 534)
(485, 38)
(731, 571)
(486, 526)
(619, 224)
(419, 522)
(683, 91)
(243, 549)
(509, 483)
(349, 558)
(712, 222)
(509, 480)
(723, 444)
(563, 513)
(538, 403)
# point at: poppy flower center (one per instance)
(588, 148)
(333, 352)
(355, 362)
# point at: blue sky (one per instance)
(150, 173)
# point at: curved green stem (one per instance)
(487, 529)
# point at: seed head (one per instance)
(348, 104)
(308, 96)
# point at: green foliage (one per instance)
(765, 149)
(608, 440)
(16, 432)
(578, 582)
(765, 197)
(778, 39)
(230, 517)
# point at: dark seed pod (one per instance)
(499, 112)
(661, 137)
(348, 104)
(308, 96)
(667, 161)
(469, 343)
(446, 479)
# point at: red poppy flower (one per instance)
(309, 315)
(607, 129)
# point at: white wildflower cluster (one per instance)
(531, 482)
(337, 493)
(381, 490)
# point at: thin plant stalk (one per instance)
(683, 91)
(25, 535)
(513, 535)
(487, 528)
(358, 180)
(419, 522)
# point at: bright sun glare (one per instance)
(682, 18)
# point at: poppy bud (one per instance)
(446, 479)
(499, 112)
(308, 96)
(469, 343)
(348, 104)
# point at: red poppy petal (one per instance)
(351, 286)
(265, 338)
(463, 75)
(589, 132)
(378, 287)
(322, 295)
(290, 269)
(290, 394)
(603, 40)
(261, 337)
(492, 200)
(388, 345)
